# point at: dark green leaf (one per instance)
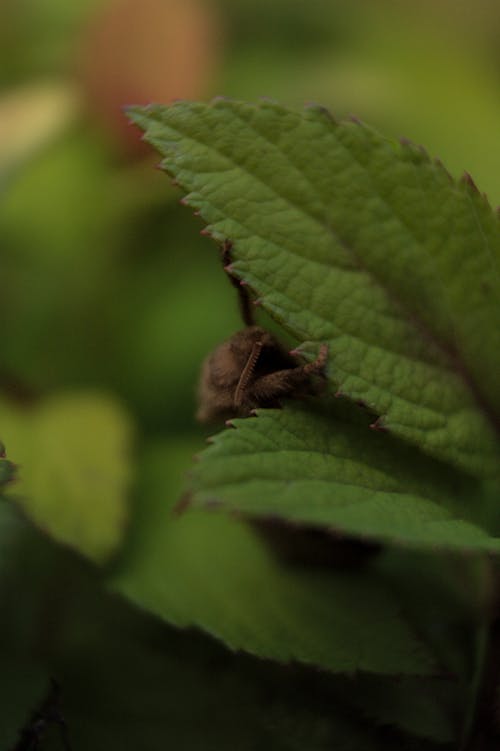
(210, 571)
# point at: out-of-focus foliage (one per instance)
(107, 286)
(216, 574)
(75, 465)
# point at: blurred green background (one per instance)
(105, 279)
(106, 283)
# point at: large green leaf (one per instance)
(73, 469)
(128, 682)
(366, 244)
(319, 464)
(210, 571)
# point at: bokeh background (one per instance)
(106, 281)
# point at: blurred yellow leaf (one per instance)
(30, 117)
(73, 469)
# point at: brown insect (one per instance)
(251, 369)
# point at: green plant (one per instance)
(344, 238)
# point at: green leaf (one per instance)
(210, 571)
(446, 597)
(319, 464)
(369, 245)
(128, 682)
(73, 469)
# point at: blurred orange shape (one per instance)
(148, 51)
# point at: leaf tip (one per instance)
(268, 100)
(379, 425)
(133, 112)
(439, 164)
(318, 109)
(467, 180)
(220, 99)
(415, 150)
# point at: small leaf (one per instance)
(319, 464)
(369, 245)
(73, 472)
(210, 571)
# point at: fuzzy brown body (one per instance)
(251, 370)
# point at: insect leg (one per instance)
(287, 382)
(247, 374)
